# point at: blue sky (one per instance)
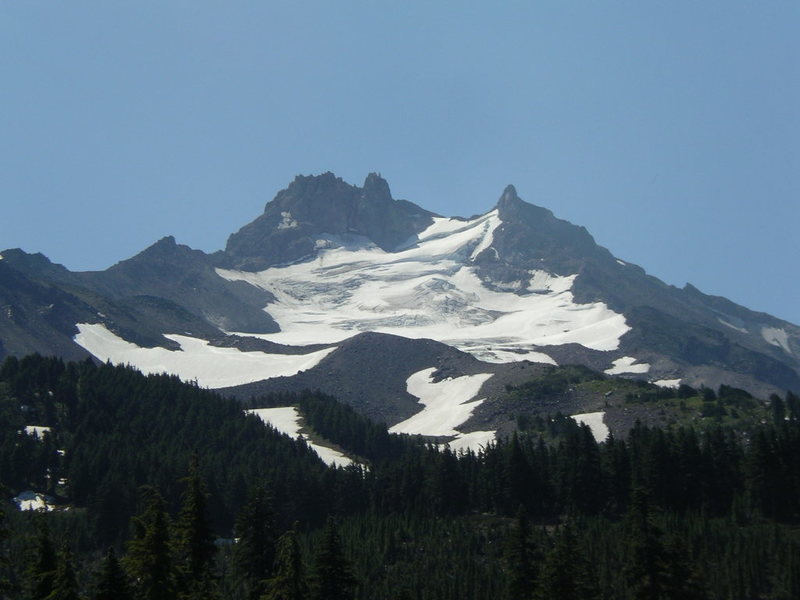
(671, 130)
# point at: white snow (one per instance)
(429, 289)
(492, 223)
(732, 326)
(287, 221)
(30, 500)
(595, 422)
(286, 419)
(621, 262)
(37, 431)
(777, 337)
(668, 383)
(210, 366)
(474, 440)
(447, 403)
(626, 364)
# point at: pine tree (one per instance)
(65, 583)
(5, 584)
(646, 568)
(149, 559)
(41, 571)
(194, 541)
(289, 582)
(565, 574)
(522, 560)
(254, 553)
(684, 581)
(112, 584)
(333, 577)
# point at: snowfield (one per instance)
(286, 419)
(446, 405)
(777, 337)
(37, 431)
(30, 500)
(429, 289)
(210, 366)
(627, 364)
(668, 383)
(474, 440)
(595, 422)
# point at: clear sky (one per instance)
(671, 130)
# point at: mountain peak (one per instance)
(376, 188)
(509, 198)
(318, 205)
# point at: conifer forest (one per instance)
(157, 489)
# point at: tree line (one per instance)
(152, 467)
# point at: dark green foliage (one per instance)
(112, 583)
(254, 553)
(121, 430)
(42, 564)
(778, 409)
(65, 584)
(340, 424)
(149, 561)
(646, 565)
(5, 583)
(289, 582)
(566, 573)
(193, 538)
(420, 522)
(554, 382)
(523, 560)
(332, 577)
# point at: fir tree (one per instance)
(646, 567)
(333, 577)
(522, 560)
(5, 583)
(289, 582)
(41, 571)
(65, 583)
(112, 584)
(254, 553)
(149, 559)
(565, 574)
(194, 541)
(684, 581)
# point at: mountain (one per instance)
(392, 308)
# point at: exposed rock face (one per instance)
(324, 204)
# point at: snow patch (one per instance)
(492, 223)
(595, 422)
(777, 337)
(447, 403)
(623, 263)
(626, 364)
(474, 440)
(37, 431)
(30, 500)
(668, 383)
(288, 222)
(210, 366)
(430, 289)
(286, 419)
(732, 326)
